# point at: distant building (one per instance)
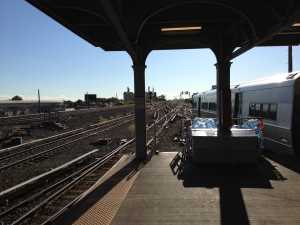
(101, 102)
(185, 95)
(14, 108)
(161, 98)
(106, 102)
(90, 98)
(128, 96)
(151, 95)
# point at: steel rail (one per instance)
(36, 195)
(58, 135)
(149, 142)
(50, 188)
(83, 171)
(38, 155)
(16, 147)
(100, 162)
(99, 125)
(21, 186)
(78, 198)
(7, 120)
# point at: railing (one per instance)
(241, 120)
(155, 129)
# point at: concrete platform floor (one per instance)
(267, 194)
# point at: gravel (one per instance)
(25, 171)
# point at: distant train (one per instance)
(276, 99)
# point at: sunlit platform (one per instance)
(155, 194)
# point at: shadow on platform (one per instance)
(229, 179)
(285, 158)
(81, 207)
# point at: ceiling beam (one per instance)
(115, 21)
(259, 41)
(189, 21)
(274, 31)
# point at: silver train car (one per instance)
(276, 99)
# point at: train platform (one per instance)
(153, 194)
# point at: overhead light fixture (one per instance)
(296, 25)
(174, 29)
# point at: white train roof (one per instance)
(283, 79)
(275, 79)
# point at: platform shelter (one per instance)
(228, 27)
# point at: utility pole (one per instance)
(88, 99)
(39, 101)
(153, 96)
(290, 49)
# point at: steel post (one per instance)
(155, 140)
(140, 109)
(290, 58)
(223, 97)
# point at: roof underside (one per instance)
(119, 25)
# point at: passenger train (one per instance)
(276, 99)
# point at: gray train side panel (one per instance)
(282, 96)
(279, 130)
(279, 89)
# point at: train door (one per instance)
(296, 119)
(199, 106)
(237, 105)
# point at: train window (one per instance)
(265, 110)
(273, 112)
(212, 106)
(204, 105)
(257, 109)
(252, 110)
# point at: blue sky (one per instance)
(37, 52)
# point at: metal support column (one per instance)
(223, 97)
(290, 50)
(140, 109)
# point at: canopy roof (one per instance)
(121, 25)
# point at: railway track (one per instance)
(22, 119)
(40, 117)
(11, 152)
(43, 205)
(17, 156)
